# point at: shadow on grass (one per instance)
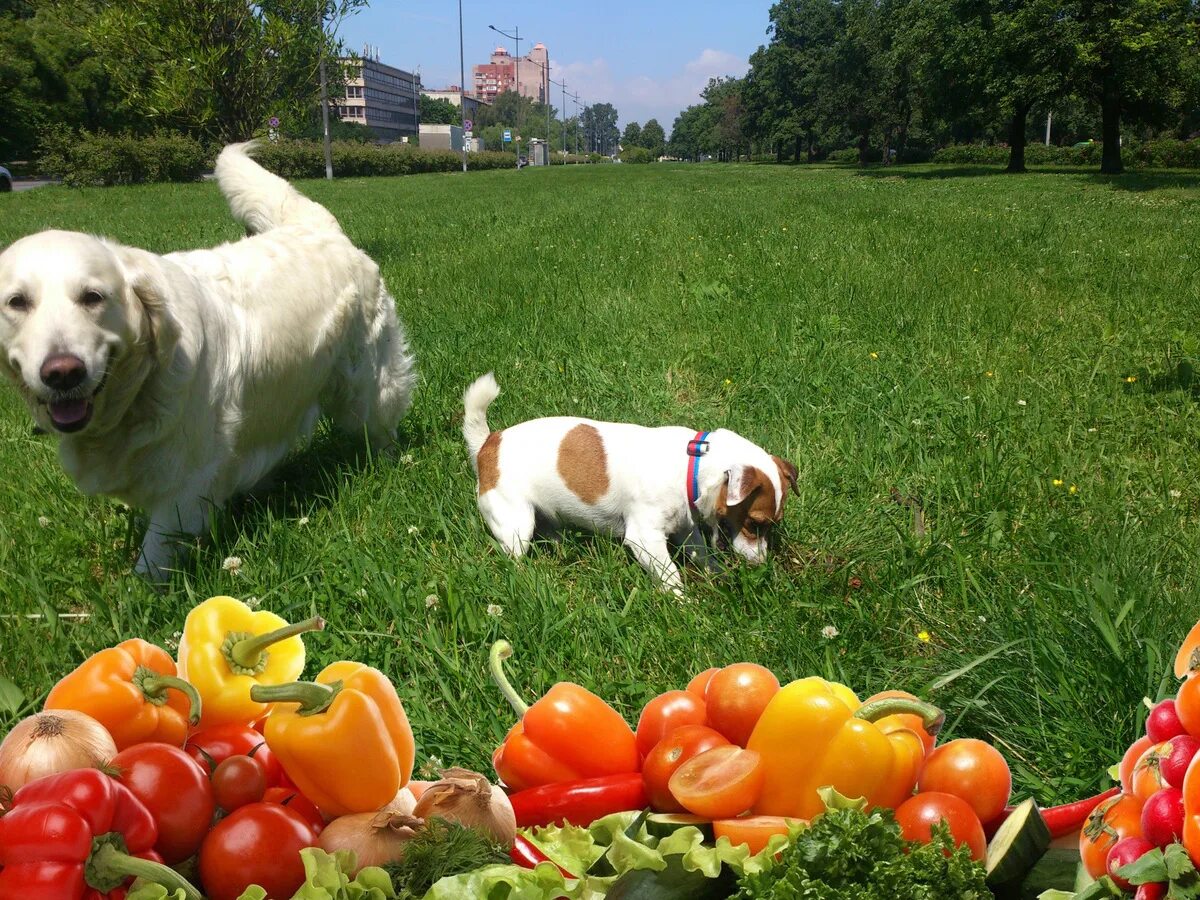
(1182, 377)
(1136, 181)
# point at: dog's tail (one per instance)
(476, 400)
(261, 200)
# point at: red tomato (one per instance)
(917, 816)
(719, 783)
(699, 684)
(668, 755)
(213, 746)
(1163, 722)
(753, 831)
(298, 803)
(664, 714)
(1112, 820)
(1129, 760)
(736, 697)
(1147, 774)
(1125, 851)
(971, 770)
(175, 790)
(237, 781)
(257, 844)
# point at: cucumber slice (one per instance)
(661, 825)
(1017, 846)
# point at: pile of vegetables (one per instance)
(221, 774)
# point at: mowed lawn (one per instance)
(1011, 354)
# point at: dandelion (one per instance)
(431, 601)
(413, 529)
(495, 610)
(829, 632)
(1073, 490)
(302, 521)
(923, 637)
(1057, 482)
(43, 521)
(1130, 379)
(874, 355)
(1021, 403)
(232, 564)
(728, 382)
(1175, 494)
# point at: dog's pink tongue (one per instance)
(68, 412)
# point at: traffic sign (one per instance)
(467, 124)
(507, 136)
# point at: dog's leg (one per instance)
(511, 522)
(161, 547)
(650, 550)
(696, 549)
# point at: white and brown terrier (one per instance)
(652, 487)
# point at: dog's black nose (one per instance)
(63, 371)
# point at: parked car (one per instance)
(5, 179)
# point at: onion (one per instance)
(50, 742)
(403, 803)
(377, 838)
(469, 799)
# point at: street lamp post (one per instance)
(515, 36)
(462, 86)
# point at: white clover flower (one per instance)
(407, 459)
(232, 564)
(413, 529)
(1175, 494)
(43, 521)
(252, 602)
(1022, 403)
(302, 521)
(495, 610)
(431, 601)
(829, 632)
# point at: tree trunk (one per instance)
(864, 144)
(799, 145)
(1016, 136)
(887, 145)
(1110, 129)
(902, 143)
(778, 151)
(812, 153)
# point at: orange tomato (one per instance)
(1187, 658)
(1191, 806)
(1187, 706)
(699, 684)
(668, 755)
(753, 831)
(971, 770)
(1147, 773)
(664, 714)
(1130, 759)
(913, 723)
(1114, 819)
(720, 783)
(736, 697)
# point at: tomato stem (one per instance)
(154, 686)
(246, 653)
(502, 650)
(932, 718)
(313, 698)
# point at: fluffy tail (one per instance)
(476, 400)
(262, 201)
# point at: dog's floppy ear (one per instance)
(741, 483)
(787, 471)
(149, 293)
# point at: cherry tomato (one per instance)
(1163, 722)
(912, 722)
(1129, 760)
(257, 844)
(1187, 706)
(664, 714)
(1114, 819)
(736, 697)
(237, 781)
(917, 816)
(1125, 851)
(668, 755)
(719, 783)
(298, 803)
(699, 684)
(753, 831)
(213, 746)
(1147, 774)
(971, 770)
(175, 790)
(1184, 662)
(1162, 817)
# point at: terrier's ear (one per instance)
(741, 483)
(787, 472)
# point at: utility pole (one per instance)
(564, 115)
(325, 99)
(462, 86)
(515, 36)
(1049, 117)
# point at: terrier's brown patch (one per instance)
(488, 462)
(583, 464)
(757, 512)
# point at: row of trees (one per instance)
(649, 136)
(886, 75)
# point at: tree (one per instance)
(654, 138)
(632, 136)
(600, 128)
(439, 112)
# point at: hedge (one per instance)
(1160, 154)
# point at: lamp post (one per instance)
(462, 85)
(515, 36)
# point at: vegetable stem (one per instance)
(247, 653)
(313, 697)
(109, 865)
(932, 718)
(154, 686)
(502, 650)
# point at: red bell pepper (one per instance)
(77, 835)
(579, 802)
(527, 854)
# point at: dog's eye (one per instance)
(92, 298)
(18, 302)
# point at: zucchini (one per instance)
(602, 868)
(673, 883)
(1054, 871)
(662, 825)
(1020, 841)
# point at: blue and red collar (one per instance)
(696, 448)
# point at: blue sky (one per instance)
(648, 58)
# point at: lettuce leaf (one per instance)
(327, 877)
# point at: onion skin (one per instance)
(469, 799)
(51, 742)
(376, 838)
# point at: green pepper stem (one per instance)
(313, 697)
(155, 685)
(932, 718)
(248, 652)
(502, 650)
(108, 867)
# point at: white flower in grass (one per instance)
(431, 769)
(172, 642)
(302, 521)
(362, 592)
(43, 521)
(431, 601)
(413, 529)
(252, 602)
(1021, 403)
(495, 610)
(1175, 494)
(232, 564)
(829, 632)
(407, 459)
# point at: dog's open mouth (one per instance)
(71, 414)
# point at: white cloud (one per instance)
(640, 97)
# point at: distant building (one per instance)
(504, 70)
(442, 137)
(454, 94)
(381, 97)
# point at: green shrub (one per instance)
(306, 159)
(638, 155)
(107, 159)
(1160, 154)
(850, 155)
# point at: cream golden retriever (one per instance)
(175, 382)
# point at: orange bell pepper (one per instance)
(348, 745)
(814, 733)
(568, 735)
(132, 690)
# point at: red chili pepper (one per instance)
(79, 834)
(1061, 820)
(526, 853)
(579, 802)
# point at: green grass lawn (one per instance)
(1013, 352)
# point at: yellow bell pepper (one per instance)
(815, 733)
(226, 648)
(348, 745)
